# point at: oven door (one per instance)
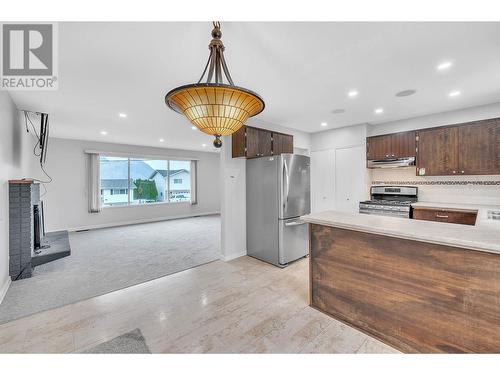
(393, 213)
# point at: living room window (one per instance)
(141, 181)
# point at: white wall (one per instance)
(12, 161)
(339, 138)
(233, 204)
(66, 201)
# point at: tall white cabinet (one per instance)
(338, 179)
(322, 180)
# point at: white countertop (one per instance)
(484, 236)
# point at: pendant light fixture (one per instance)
(215, 107)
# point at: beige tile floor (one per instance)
(242, 306)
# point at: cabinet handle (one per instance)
(462, 172)
(442, 216)
(454, 172)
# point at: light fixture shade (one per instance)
(215, 109)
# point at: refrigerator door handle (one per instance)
(294, 223)
(287, 184)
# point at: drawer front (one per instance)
(445, 216)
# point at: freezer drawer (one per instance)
(293, 240)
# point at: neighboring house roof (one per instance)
(116, 183)
(166, 173)
(118, 169)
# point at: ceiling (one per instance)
(302, 70)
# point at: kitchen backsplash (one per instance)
(444, 189)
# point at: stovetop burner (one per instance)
(390, 200)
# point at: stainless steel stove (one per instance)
(390, 201)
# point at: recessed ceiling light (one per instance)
(122, 115)
(338, 110)
(104, 132)
(193, 127)
(454, 93)
(378, 111)
(161, 140)
(444, 65)
(406, 93)
(352, 94)
(203, 145)
(324, 124)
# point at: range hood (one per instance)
(391, 163)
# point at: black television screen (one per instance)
(44, 136)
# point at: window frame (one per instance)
(168, 188)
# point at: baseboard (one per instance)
(4, 288)
(132, 222)
(229, 257)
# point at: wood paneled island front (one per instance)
(438, 291)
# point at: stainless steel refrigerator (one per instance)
(278, 193)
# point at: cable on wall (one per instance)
(27, 120)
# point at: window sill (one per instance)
(145, 205)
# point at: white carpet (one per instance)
(105, 260)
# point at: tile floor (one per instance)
(242, 306)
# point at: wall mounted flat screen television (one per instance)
(44, 136)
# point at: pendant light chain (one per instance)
(214, 107)
(216, 63)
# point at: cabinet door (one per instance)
(403, 145)
(238, 143)
(282, 144)
(252, 142)
(480, 148)
(378, 147)
(466, 217)
(438, 152)
(265, 142)
(322, 180)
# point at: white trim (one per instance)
(132, 222)
(132, 155)
(142, 204)
(230, 257)
(4, 289)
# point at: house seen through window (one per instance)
(135, 181)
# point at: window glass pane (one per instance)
(180, 181)
(148, 181)
(114, 178)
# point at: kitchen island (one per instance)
(422, 287)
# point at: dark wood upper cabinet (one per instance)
(282, 144)
(398, 145)
(403, 145)
(438, 151)
(479, 145)
(378, 147)
(265, 142)
(238, 143)
(253, 142)
(466, 149)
